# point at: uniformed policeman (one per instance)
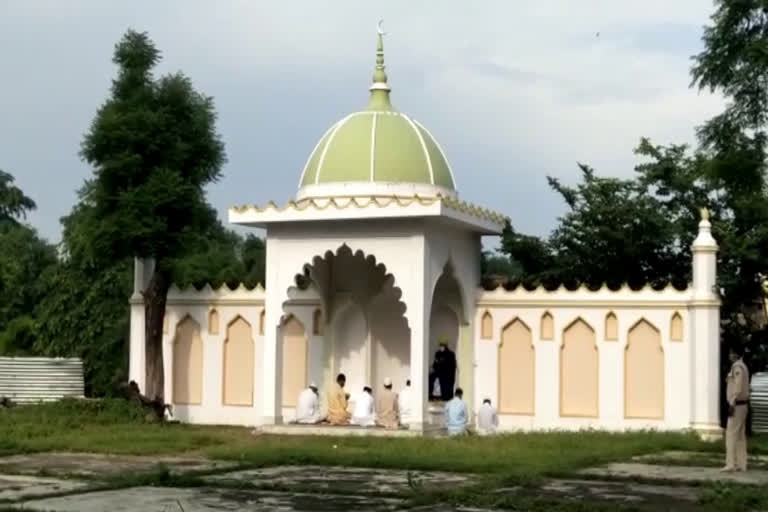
(737, 393)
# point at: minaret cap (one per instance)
(380, 87)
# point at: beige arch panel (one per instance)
(517, 367)
(239, 363)
(644, 373)
(676, 327)
(187, 363)
(579, 367)
(213, 322)
(295, 350)
(486, 326)
(547, 326)
(611, 327)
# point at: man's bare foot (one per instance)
(727, 469)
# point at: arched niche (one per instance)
(676, 327)
(547, 326)
(517, 367)
(295, 355)
(486, 325)
(611, 327)
(317, 322)
(239, 364)
(261, 321)
(644, 372)
(579, 371)
(213, 321)
(187, 363)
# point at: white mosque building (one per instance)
(392, 257)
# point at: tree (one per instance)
(24, 257)
(153, 147)
(13, 202)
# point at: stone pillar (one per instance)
(271, 372)
(142, 272)
(418, 311)
(704, 336)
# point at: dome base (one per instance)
(372, 189)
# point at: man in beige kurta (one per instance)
(386, 407)
(337, 403)
(737, 393)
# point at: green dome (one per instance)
(378, 146)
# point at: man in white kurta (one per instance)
(404, 404)
(308, 406)
(487, 419)
(456, 415)
(363, 413)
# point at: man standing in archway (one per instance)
(445, 370)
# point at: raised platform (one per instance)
(345, 431)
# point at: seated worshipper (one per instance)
(386, 406)
(456, 414)
(308, 406)
(487, 419)
(363, 414)
(337, 403)
(404, 404)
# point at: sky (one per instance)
(514, 90)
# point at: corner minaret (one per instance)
(380, 87)
(704, 315)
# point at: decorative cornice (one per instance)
(342, 203)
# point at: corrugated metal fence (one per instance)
(759, 402)
(40, 379)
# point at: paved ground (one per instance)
(70, 482)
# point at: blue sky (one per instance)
(513, 90)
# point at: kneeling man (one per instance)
(308, 406)
(456, 414)
(363, 414)
(337, 403)
(386, 407)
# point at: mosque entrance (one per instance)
(446, 319)
(366, 335)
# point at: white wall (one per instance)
(565, 307)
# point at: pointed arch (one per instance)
(547, 326)
(486, 326)
(644, 372)
(213, 321)
(295, 355)
(579, 371)
(517, 367)
(611, 327)
(261, 321)
(187, 363)
(317, 322)
(676, 327)
(239, 363)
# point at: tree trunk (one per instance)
(154, 310)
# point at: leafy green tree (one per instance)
(153, 147)
(23, 258)
(13, 202)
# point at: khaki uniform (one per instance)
(737, 393)
(386, 409)
(337, 406)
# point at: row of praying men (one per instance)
(390, 410)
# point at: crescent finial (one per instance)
(379, 28)
(704, 213)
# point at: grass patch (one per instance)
(524, 455)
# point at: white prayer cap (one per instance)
(313, 385)
(387, 381)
